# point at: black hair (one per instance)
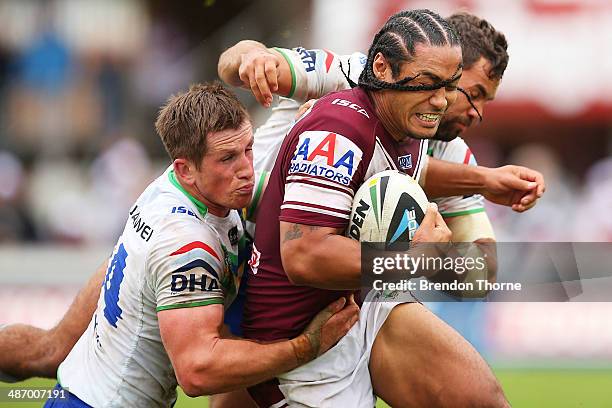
(396, 41)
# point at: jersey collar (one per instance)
(202, 209)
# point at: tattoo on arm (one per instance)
(296, 231)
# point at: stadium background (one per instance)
(81, 81)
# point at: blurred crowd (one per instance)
(574, 208)
(77, 143)
(76, 138)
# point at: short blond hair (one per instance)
(187, 118)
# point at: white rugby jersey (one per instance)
(172, 254)
(317, 72)
(456, 151)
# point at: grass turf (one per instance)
(524, 388)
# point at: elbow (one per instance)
(190, 389)
(296, 272)
(296, 262)
(197, 380)
(188, 381)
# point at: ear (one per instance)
(381, 68)
(185, 171)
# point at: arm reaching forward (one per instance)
(27, 351)
(205, 363)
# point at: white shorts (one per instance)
(341, 376)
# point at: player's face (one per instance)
(461, 115)
(418, 114)
(225, 179)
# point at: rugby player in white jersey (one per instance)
(174, 270)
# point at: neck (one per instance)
(213, 209)
(383, 111)
(195, 195)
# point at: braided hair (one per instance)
(396, 41)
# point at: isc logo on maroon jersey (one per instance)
(349, 104)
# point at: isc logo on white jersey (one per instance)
(349, 104)
(326, 155)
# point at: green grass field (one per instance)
(524, 388)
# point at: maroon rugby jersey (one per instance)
(323, 160)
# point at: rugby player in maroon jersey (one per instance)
(410, 78)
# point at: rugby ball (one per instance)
(388, 207)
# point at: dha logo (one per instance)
(180, 282)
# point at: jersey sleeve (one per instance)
(187, 268)
(456, 151)
(317, 72)
(327, 166)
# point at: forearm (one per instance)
(23, 352)
(445, 179)
(330, 271)
(233, 364)
(470, 227)
(230, 59)
(477, 229)
(488, 249)
(314, 261)
(27, 351)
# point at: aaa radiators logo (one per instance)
(326, 155)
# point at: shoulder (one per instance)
(182, 245)
(177, 231)
(347, 113)
(176, 221)
(348, 106)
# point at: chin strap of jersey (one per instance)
(470, 101)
